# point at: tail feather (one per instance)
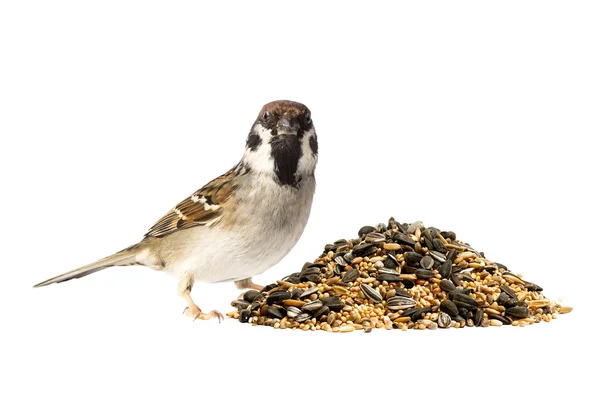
(124, 257)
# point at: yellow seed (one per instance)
(392, 246)
(495, 322)
(565, 310)
(346, 328)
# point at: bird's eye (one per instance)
(307, 118)
(266, 116)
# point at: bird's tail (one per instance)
(124, 257)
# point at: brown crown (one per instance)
(281, 107)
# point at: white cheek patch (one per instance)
(260, 160)
(308, 161)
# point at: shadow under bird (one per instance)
(241, 223)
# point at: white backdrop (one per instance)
(471, 116)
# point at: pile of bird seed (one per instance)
(398, 276)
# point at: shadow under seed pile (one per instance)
(398, 276)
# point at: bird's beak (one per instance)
(287, 126)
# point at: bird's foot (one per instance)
(248, 284)
(195, 313)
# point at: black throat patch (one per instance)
(286, 152)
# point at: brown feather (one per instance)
(203, 207)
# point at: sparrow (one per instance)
(239, 224)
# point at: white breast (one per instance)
(271, 220)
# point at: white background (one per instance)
(471, 116)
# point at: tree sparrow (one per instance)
(241, 223)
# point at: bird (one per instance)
(239, 224)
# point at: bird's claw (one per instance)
(195, 313)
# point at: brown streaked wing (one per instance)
(203, 207)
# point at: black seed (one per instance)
(465, 299)
(296, 293)
(402, 292)
(333, 302)
(478, 317)
(364, 249)
(533, 287)
(445, 269)
(451, 255)
(388, 277)
(312, 306)
(408, 269)
(464, 313)
(251, 295)
(403, 239)
(424, 274)
(275, 312)
(365, 229)
(461, 304)
(517, 312)
(447, 285)
(416, 314)
(454, 278)
(448, 235)
(294, 278)
(439, 245)
(245, 315)
(449, 308)
(321, 311)
(412, 258)
(502, 299)
(278, 296)
(391, 262)
(407, 284)
(350, 276)
(511, 293)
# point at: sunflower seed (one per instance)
(511, 293)
(478, 318)
(517, 312)
(312, 306)
(400, 303)
(445, 269)
(278, 297)
(350, 276)
(371, 293)
(402, 238)
(437, 256)
(302, 317)
(292, 311)
(275, 312)
(447, 285)
(412, 258)
(424, 274)
(251, 295)
(449, 307)
(333, 302)
(444, 320)
(427, 262)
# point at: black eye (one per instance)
(266, 116)
(307, 118)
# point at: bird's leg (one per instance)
(248, 284)
(192, 310)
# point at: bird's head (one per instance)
(282, 143)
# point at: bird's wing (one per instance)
(203, 207)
